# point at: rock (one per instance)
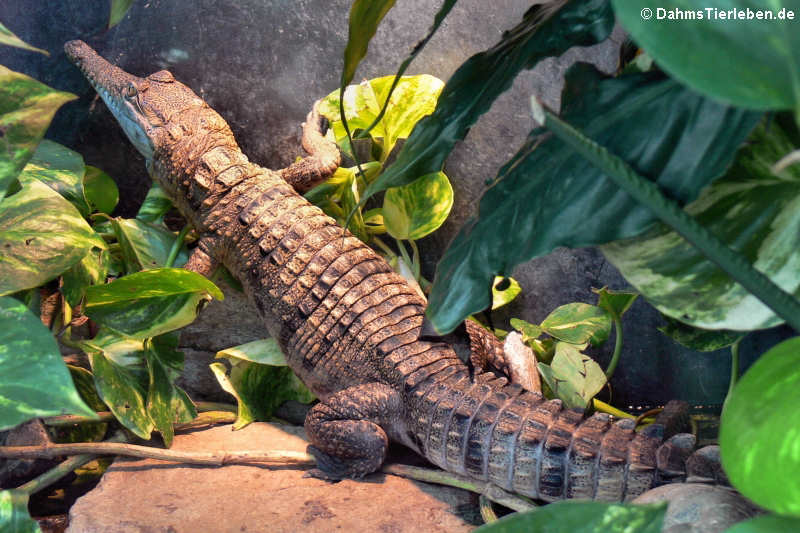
(222, 324)
(147, 495)
(698, 508)
(15, 472)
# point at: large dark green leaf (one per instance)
(759, 428)
(41, 235)
(547, 195)
(743, 60)
(26, 109)
(61, 169)
(34, 381)
(14, 517)
(752, 210)
(484, 76)
(701, 340)
(149, 303)
(582, 517)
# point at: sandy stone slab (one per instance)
(147, 496)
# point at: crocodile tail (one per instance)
(524, 443)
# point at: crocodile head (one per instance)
(151, 110)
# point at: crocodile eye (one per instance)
(130, 91)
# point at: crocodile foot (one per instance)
(330, 468)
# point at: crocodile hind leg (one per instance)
(323, 160)
(345, 430)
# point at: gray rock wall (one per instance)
(261, 64)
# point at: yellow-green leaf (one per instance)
(7, 37)
(419, 208)
(26, 109)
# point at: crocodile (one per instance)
(351, 328)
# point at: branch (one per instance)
(133, 450)
(491, 491)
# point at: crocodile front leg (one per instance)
(323, 160)
(346, 430)
(201, 261)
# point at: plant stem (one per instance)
(404, 253)
(383, 246)
(617, 346)
(51, 476)
(648, 194)
(734, 367)
(416, 267)
(176, 246)
(492, 492)
(134, 450)
(108, 416)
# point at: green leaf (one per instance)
(419, 208)
(758, 436)
(118, 10)
(14, 517)
(482, 78)
(61, 169)
(529, 331)
(159, 397)
(752, 210)
(350, 198)
(578, 323)
(144, 245)
(155, 205)
(365, 16)
(263, 351)
(84, 384)
(615, 302)
(26, 109)
(149, 303)
(41, 235)
(549, 195)
(501, 297)
(7, 37)
(34, 381)
(85, 432)
(100, 190)
(582, 517)
(760, 70)
(413, 98)
(702, 340)
(573, 376)
(766, 524)
(121, 392)
(90, 270)
(258, 388)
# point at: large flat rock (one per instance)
(155, 496)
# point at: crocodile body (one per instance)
(350, 326)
